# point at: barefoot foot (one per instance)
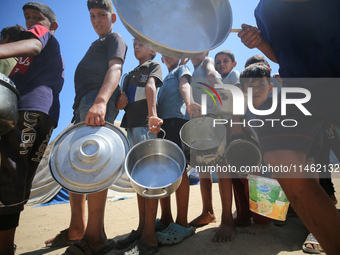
(256, 229)
(224, 233)
(202, 220)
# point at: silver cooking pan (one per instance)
(155, 167)
(181, 29)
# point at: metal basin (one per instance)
(8, 104)
(88, 159)
(202, 143)
(155, 168)
(181, 29)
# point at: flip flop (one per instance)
(139, 248)
(61, 240)
(310, 240)
(125, 242)
(84, 248)
(174, 234)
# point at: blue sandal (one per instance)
(159, 226)
(174, 234)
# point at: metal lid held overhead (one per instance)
(88, 159)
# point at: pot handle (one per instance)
(154, 196)
(161, 130)
(209, 156)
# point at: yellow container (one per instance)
(267, 198)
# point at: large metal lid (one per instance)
(88, 159)
(7, 82)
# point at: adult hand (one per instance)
(155, 124)
(96, 115)
(250, 36)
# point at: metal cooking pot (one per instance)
(181, 29)
(202, 143)
(88, 159)
(8, 104)
(155, 167)
(243, 150)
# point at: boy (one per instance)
(96, 84)
(39, 77)
(175, 105)
(205, 68)
(255, 76)
(224, 64)
(9, 34)
(139, 100)
(287, 147)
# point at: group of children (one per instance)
(39, 76)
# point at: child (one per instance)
(139, 100)
(289, 147)
(39, 77)
(225, 64)
(96, 84)
(257, 76)
(174, 107)
(9, 34)
(205, 68)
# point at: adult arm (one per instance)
(96, 114)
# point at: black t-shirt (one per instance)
(136, 112)
(91, 70)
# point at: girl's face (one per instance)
(102, 21)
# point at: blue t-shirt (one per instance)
(169, 98)
(39, 79)
(305, 36)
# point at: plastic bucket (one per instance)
(267, 198)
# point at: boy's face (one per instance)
(171, 63)
(102, 21)
(224, 64)
(142, 53)
(196, 61)
(261, 88)
(35, 17)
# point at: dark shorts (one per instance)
(21, 151)
(324, 105)
(87, 101)
(172, 127)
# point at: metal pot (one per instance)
(180, 29)
(155, 167)
(243, 150)
(8, 104)
(202, 143)
(88, 159)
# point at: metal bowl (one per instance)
(181, 29)
(87, 159)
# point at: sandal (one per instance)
(139, 248)
(159, 226)
(84, 248)
(125, 242)
(61, 240)
(174, 234)
(311, 240)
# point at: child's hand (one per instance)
(184, 61)
(194, 110)
(155, 124)
(250, 36)
(236, 129)
(122, 101)
(96, 115)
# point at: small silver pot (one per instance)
(155, 167)
(202, 143)
(8, 104)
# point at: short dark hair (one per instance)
(255, 59)
(44, 9)
(13, 32)
(257, 70)
(227, 52)
(102, 4)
